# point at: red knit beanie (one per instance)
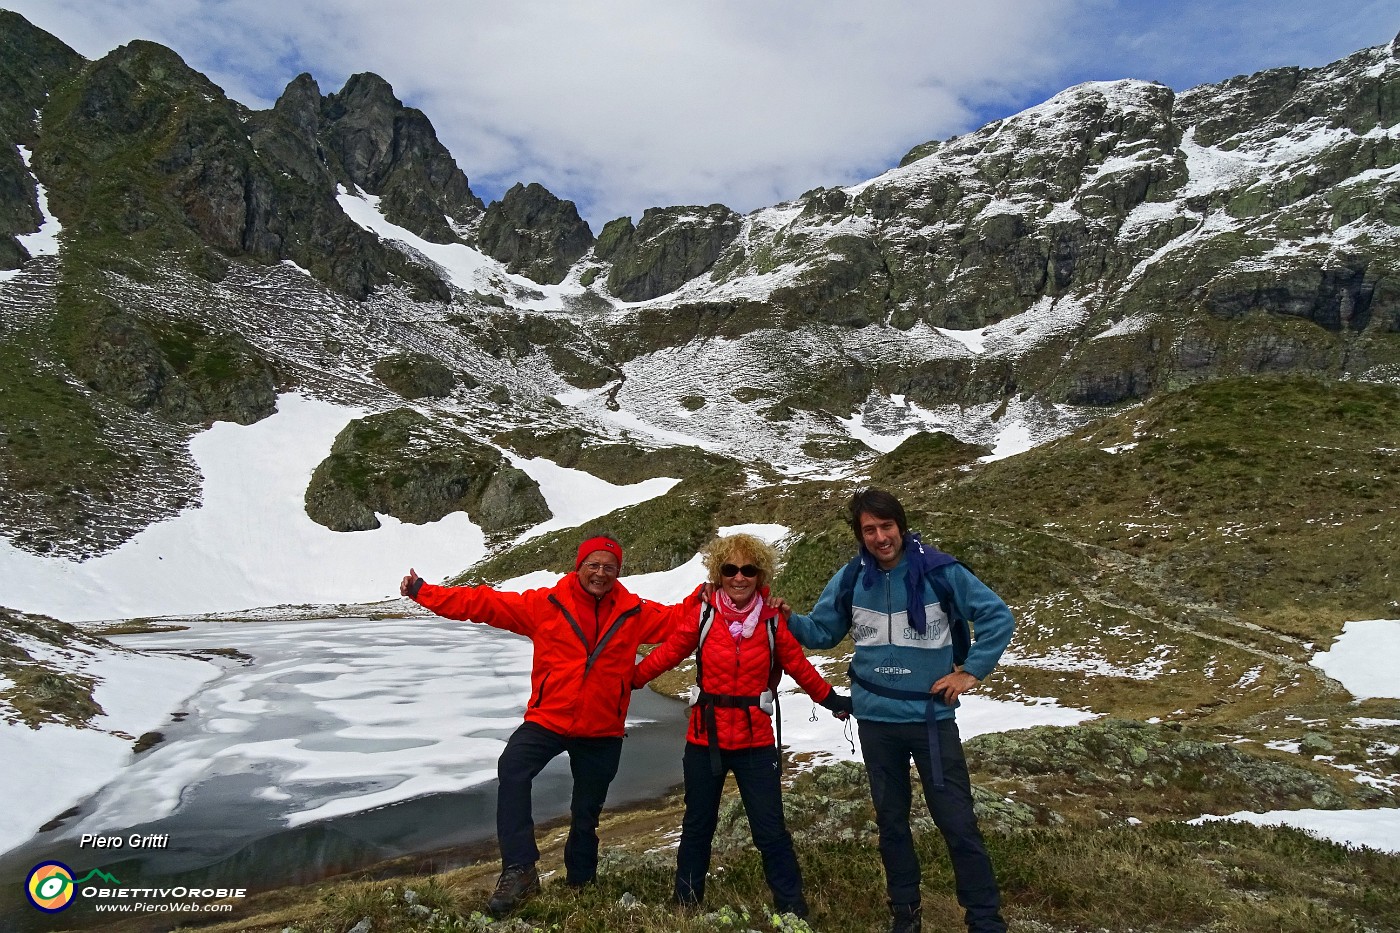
(600, 543)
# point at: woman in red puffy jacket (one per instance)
(744, 648)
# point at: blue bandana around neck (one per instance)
(921, 558)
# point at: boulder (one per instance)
(415, 375)
(400, 463)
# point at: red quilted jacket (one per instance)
(737, 668)
(581, 680)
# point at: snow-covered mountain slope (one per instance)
(1005, 287)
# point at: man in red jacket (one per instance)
(586, 630)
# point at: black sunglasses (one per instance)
(748, 570)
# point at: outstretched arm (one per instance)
(685, 635)
(658, 621)
(507, 611)
(810, 679)
(826, 626)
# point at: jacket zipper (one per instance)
(889, 611)
(540, 697)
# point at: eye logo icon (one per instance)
(50, 886)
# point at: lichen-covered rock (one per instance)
(415, 375)
(400, 463)
(534, 233)
(189, 374)
(1154, 769)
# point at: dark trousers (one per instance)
(756, 773)
(888, 747)
(593, 763)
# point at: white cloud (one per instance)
(624, 104)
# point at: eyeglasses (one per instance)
(607, 570)
(748, 570)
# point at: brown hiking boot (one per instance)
(514, 886)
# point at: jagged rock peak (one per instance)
(300, 105)
(392, 151)
(1359, 92)
(151, 63)
(535, 233)
(367, 89)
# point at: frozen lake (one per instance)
(326, 745)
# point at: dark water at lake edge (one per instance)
(221, 837)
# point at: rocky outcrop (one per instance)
(534, 233)
(400, 463)
(47, 688)
(19, 209)
(924, 457)
(32, 64)
(671, 246)
(617, 463)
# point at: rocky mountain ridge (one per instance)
(1116, 241)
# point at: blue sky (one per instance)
(620, 105)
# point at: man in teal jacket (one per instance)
(911, 610)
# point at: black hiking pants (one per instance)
(593, 763)
(756, 773)
(888, 748)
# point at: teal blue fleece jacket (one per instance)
(891, 652)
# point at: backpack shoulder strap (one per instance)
(845, 594)
(775, 670)
(707, 620)
(957, 625)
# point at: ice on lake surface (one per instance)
(383, 730)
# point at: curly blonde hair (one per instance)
(722, 551)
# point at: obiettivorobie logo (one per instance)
(51, 886)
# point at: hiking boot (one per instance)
(516, 884)
(797, 908)
(907, 918)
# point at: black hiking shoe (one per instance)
(797, 908)
(907, 918)
(516, 884)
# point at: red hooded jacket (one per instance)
(737, 668)
(585, 648)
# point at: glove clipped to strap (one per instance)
(839, 704)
